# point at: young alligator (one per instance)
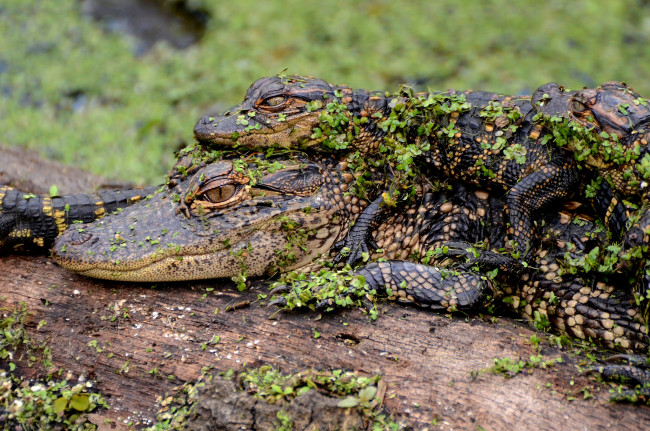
(611, 124)
(474, 137)
(29, 221)
(608, 129)
(256, 215)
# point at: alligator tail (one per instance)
(30, 221)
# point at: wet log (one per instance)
(130, 339)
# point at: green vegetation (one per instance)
(509, 367)
(326, 290)
(274, 387)
(29, 404)
(78, 94)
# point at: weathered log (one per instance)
(27, 171)
(147, 334)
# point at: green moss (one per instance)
(37, 404)
(509, 367)
(270, 385)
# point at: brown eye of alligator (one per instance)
(578, 106)
(274, 101)
(219, 194)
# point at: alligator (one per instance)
(477, 138)
(30, 222)
(612, 127)
(243, 215)
(606, 129)
(258, 214)
(616, 118)
(238, 214)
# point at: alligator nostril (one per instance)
(77, 238)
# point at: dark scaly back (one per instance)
(489, 140)
(458, 157)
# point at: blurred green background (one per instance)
(90, 90)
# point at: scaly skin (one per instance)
(28, 221)
(618, 120)
(616, 148)
(474, 137)
(250, 216)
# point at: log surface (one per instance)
(425, 358)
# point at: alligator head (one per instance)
(223, 218)
(615, 122)
(276, 111)
(613, 107)
(296, 112)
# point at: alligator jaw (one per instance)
(149, 242)
(171, 268)
(225, 131)
(204, 132)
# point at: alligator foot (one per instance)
(427, 286)
(635, 372)
(359, 239)
(483, 259)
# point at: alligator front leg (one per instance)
(33, 222)
(427, 286)
(359, 239)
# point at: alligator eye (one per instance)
(274, 101)
(219, 194)
(578, 107)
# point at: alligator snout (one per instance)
(204, 129)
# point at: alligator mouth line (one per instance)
(169, 268)
(215, 260)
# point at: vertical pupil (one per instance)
(274, 101)
(220, 194)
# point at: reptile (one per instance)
(244, 215)
(29, 221)
(613, 122)
(513, 145)
(478, 138)
(619, 118)
(238, 216)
